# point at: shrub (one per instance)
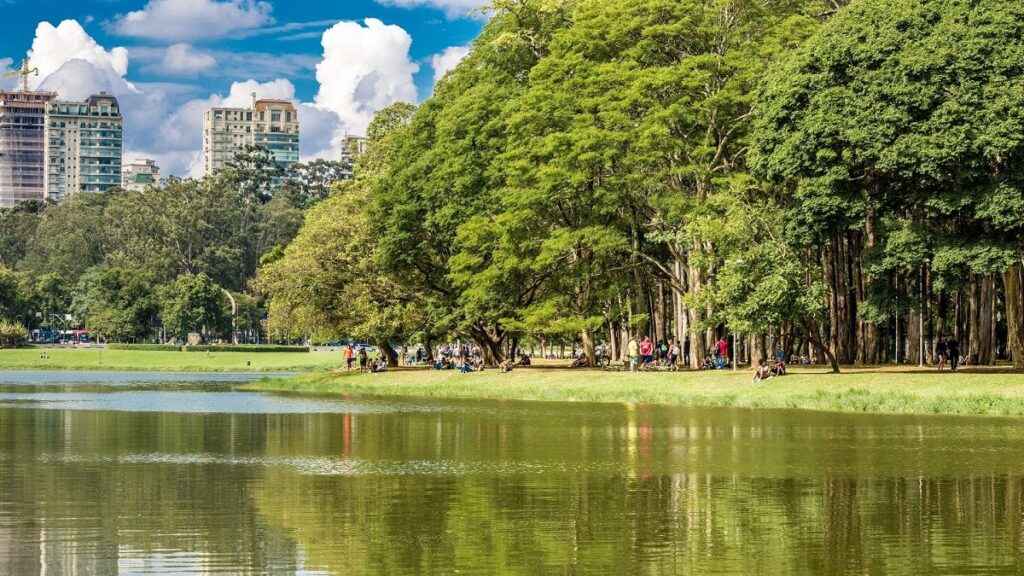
(12, 334)
(246, 348)
(146, 347)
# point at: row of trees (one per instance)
(842, 181)
(160, 263)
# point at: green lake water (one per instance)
(129, 474)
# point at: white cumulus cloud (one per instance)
(192, 19)
(365, 68)
(447, 60)
(184, 59)
(54, 46)
(451, 8)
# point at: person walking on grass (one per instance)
(941, 352)
(953, 350)
(673, 355)
(364, 359)
(647, 352)
(350, 357)
(633, 353)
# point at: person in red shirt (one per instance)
(350, 356)
(723, 350)
(647, 351)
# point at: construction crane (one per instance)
(24, 72)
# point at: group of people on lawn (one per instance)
(366, 364)
(646, 355)
(466, 359)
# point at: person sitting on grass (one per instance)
(779, 367)
(524, 360)
(380, 365)
(466, 367)
(763, 372)
(506, 366)
(580, 362)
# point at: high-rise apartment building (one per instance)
(22, 149)
(83, 146)
(270, 124)
(140, 174)
(352, 147)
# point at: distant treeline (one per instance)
(157, 264)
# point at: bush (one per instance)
(245, 348)
(146, 347)
(12, 334)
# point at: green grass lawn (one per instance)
(882, 390)
(102, 359)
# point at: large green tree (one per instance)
(446, 174)
(327, 283)
(193, 303)
(118, 304)
(903, 121)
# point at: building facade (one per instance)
(22, 148)
(352, 147)
(269, 124)
(140, 174)
(84, 142)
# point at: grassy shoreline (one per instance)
(100, 359)
(881, 390)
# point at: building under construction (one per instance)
(22, 146)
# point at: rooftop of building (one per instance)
(30, 96)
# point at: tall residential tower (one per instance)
(270, 124)
(83, 146)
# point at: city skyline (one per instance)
(167, 62)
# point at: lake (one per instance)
(178, 474)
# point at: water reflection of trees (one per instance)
(79, 508)
(633, 518)
(603, 491)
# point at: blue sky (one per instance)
(168, 60)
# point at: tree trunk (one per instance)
(491, 344)
(613, 341)
(698, 342)
(659, 313)
(913, 355)
(870, 337)
(1013, 284)
(813, 338)
(389, 353)
(755, 350)
(678, 306)
(587, 339)
(840, 306)
(428, 345)
(981, 349)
